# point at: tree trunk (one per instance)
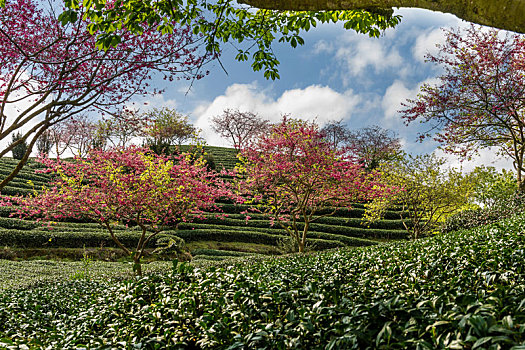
(300, 244)
(504, 14)
(521, 185)
(137, 267)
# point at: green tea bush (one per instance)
(265, 226)
(461, 290)
(483, 216)
(17, 224)
(248, 237)
(71, 238)
(215, 252)
(356, 212)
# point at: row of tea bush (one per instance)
(460, 290)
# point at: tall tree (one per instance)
(480, 100)
(131, 186)
(81, 133)
(120, 128)
(297, 177)
(336, 133)
(372, 145)
(427, 195)
(20, 149)
(53, 72)
(44, 143)
(60, 137)
(239, 127)
(166, 127)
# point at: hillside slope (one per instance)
(210, 238)
(461, 290)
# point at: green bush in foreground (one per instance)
(462, 290)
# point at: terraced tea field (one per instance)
(207, 239)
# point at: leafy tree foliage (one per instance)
(293, 173)
(239, 127)
(495, 197)
(479, 101)
(251, 31)
(58, 71)
(130, 186)
(166, 127)
(492, 188)
(427, 195)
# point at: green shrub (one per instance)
(245, 236)
(263, 225)
(215, 252)
(210, 161)
(72, 237)
(483, 216)
(17, 224)
(457, 290)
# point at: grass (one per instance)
(254, 248)
(27, 274)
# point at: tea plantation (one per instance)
(460, 290)
(208, 239)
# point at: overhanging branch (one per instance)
(503, 14)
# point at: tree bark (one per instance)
(503, 14)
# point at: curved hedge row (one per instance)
(349, 231)
(252, 237)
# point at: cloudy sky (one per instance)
(336, 75)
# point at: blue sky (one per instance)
(337, 74)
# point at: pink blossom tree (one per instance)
(239, 127)
(78, 134)
(130, 185)
(480, 99)
(60, 137)
(50, 72)
(297, 177)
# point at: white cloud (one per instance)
(391, 103)
(358, 53)
(398, 93)
(155, 101)
(315, 102)
(486, 157)
(394, 95)
(323, 46)
(426, 43)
